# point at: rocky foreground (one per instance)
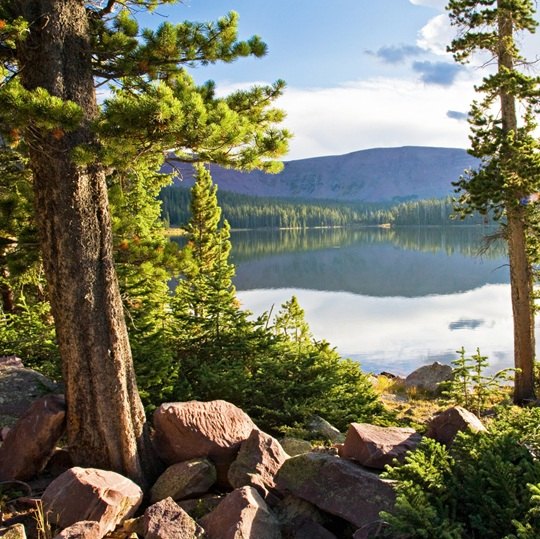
(224, 478)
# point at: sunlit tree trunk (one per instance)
(105, 418)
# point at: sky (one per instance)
(360, 73)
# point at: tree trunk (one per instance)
(521, 281)
(105, 417)
(522, 307)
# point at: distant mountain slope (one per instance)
(375, 175)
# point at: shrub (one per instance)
(482, 487)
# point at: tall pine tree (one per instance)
(503, 125)
(54, 53)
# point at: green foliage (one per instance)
(471, 387)
(245, 211)
(478, 488)
(29, 333)
(298, 377)
(276, 373)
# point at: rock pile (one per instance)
(226, 479)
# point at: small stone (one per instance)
(444, 426)
(184, 480)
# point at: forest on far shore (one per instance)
(244, 211)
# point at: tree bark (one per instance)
(521, 278)
(105, 417)
(521, 285)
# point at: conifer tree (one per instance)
(205, 295)
(503, 124)
(54, 53)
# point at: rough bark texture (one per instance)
(521, 279)
(105, 421)
(521, 283)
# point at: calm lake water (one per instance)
(391, 299)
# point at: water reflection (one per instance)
(408, 262)
(399, 334)
(391, 299)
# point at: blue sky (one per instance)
(360, 73)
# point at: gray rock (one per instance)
(319, 426)
(428, 377)
(184, 480)
(295, 446)
(19, 388)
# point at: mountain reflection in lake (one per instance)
(391, 299)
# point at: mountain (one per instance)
(375, 175)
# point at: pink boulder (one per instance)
(91, 494)
(444, 426)
(188, 430)
(259, 459)
(31, 441)
(166, 519)
(375, 447)
(338, 486)
(242, 513)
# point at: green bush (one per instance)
(485, 486)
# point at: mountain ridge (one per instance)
(372, 175)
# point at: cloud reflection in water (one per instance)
(399, 334)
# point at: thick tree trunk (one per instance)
(521, 281)
(105, 419)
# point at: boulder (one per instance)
(241, 514)
(428, 377)
(259, 459)
(337, 486)
(11, 361)
(319, 426)
(375, 447)
(184, 480)
(87, 529)
(91, 494)
(295, 446)
(16, 531)
(188, 430)
(305, 528)
(444, 426)
(31, 441)
(19, 388)
(166, 519)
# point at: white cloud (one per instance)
(436, 35)
(375, 113)
(437, 4)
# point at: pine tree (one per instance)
(508, 148)
(205, 295)
(54, 53)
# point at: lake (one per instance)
(392, 299)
